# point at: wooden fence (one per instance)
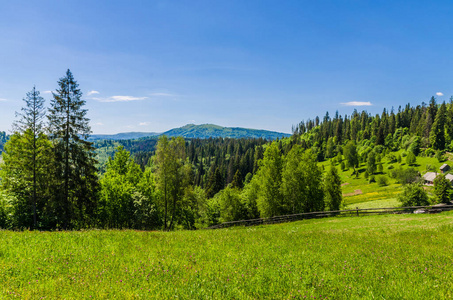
(339, 213)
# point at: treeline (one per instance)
(431, 123)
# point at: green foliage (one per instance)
(411, 159)
(405, 176)
(371, 163)
(382, 180)
(413, 195)
(75, 183)
(173, 176)
(302, 186)
(128, 195)
(351, 156)
(442, 189)
(269, 176)
(332, 187)
(231, 205)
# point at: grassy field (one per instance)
(375, 257)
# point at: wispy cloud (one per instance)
(162, 95)
(99, 124)
(144, 123)
(47, 92)
(120, 99)
(3, 99)
(357, 103)
(439, 94)
(92, 93)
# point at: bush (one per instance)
(429, 152)
(440, 156)
(411, 159)
(382, 180)
(371, 179)
(406, 176)
(413, 195)
(391, 158)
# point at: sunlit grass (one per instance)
(382, 257)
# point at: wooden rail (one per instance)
(338, 213)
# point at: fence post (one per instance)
(357, 211)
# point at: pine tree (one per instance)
(437, 134)
(31, 124)
(75, 172)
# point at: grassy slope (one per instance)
(373, 195)
(382, 257)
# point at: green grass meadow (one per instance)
(373, 257)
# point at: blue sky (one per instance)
(156, 65)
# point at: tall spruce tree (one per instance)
(75, 163)
(25, 169)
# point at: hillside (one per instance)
(122, 136)
(209, 130)
(203, 131)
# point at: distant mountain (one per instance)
(122, 136)
(209, 130)
(203, 131)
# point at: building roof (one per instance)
(444, 166)
(430, 176)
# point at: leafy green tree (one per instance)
(75, 186)
(127, 197)
(413, 195)
(232, 207)
(332, 187)
(371, 163)
(351, 155)
(411, 159)
(269, 200)
(171, 175)
(442, 189)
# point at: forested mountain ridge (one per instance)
(122, 136)
(193, 131)
(209, 130)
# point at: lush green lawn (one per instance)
(375, 257)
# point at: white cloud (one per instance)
(92, 93)
(120, 99)
(162, 95)
(47, 92)
(3, 99)
(357, 103)
(144, 123)
(439, 94)
(99, 124)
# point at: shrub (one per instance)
(371, 179)
(413, 195)
(411, 159)
(429, 152)
(405, 176)
(382, 180)
(391, 158)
